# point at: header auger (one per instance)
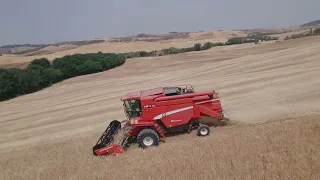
(155, 112)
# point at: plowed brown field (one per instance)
(271, 91)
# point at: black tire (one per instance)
(147, 138)
(195, 123)
(203, 130)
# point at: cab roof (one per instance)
(143, 93)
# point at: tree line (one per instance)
(251, 38)
(40, 73)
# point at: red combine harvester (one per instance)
(155, 112)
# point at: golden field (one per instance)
(271, 92)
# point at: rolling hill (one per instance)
(271, 91)
(312, 23)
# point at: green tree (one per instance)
(39, 64)
(171, 50)
(197, 47)
(207, 45)
(316, 31)
(143, 53)
(8, 84)
(70, 66)
(234, 40)
(50, 76)
(184, 50)
(218, 44)
(90, 67)
(16, 82)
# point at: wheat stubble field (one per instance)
(271, 91)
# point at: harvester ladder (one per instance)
(158, 128)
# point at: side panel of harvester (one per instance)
(180, 109)
(172, 112)
(175, 115)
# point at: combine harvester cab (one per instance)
(155, 112)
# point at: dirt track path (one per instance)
(255, 82)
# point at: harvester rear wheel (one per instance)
(203, 130)
(147, 138)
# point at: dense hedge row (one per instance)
(40, 73)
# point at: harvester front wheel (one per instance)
(147, 138)
(203, 130)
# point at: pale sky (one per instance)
(44, 21)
